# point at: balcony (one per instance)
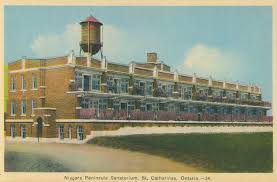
(201, 97)
(138, 90)
(170, 116)
(159, 92)
(113, 89)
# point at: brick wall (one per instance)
(57, 84)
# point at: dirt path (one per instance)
(91, 158)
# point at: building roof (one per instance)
(92, 20)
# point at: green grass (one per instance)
(29, 162)
(5, 87)
(237, 152)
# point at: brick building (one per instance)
(70, 96)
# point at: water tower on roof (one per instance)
(91, 35)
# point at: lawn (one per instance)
(236, 152)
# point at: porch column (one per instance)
(110, 104)
(175, 91)
(210, 94)
(131, 85)
(104, 82)
(155, 88)
(193, 92)
(137, 105)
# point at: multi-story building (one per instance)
(64, 97)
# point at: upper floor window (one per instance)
(23, 82)
(165, 89)
(34, 82)
(185, 91)
(124, 85)
(13, 108)
(86, 82)
(148, 88)
(139, 87)
(217, 93)
(243, 96)
(253, 97)
(13, 83)
(95, 82)
(78, 80)
(202, 92)
(117, 85)
(34, 105)
(231, 95)
(23, 107)
(169, 90)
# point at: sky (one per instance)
(226, 43)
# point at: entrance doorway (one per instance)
(39, 128)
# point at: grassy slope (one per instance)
(5, 87)
(29, 162)
(214, 152)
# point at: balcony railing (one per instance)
(138, 90)
(159, 92)
(169, 115)
(113, 89)
(201, 97)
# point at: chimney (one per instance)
(151, 57)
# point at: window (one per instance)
(34, 82)
(61, 132)
(124, 85)
(13, 132)
(23, 131)
(253, 97)
(13, 83)
(23, 82)
(13, 108)
(86, 86)
(148, 88)
(23, 107)
(243, 96)
(231, 95)
(34, 105)
(187, 92)
(78, 80)
(139, 87)
(95, 82)
(80, 133)
(110, 84)
(69, 132)
(169, 90)
(217, 93)
(165, 89)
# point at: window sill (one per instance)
(32, 115)
(13, 115)
(23, 90)
(34, 89)
(13, 91)
(23, 115)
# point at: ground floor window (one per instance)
(13, 132)
(80, 133)
(61, 132)
(23, 131)
(69, 132)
